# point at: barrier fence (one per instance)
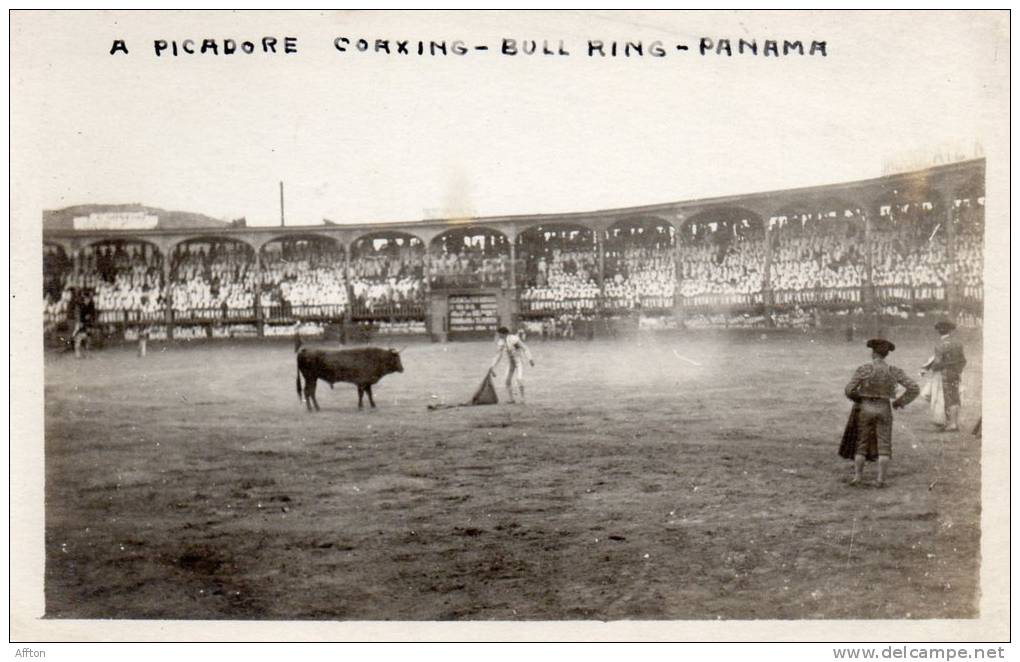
(400, 310)
(303, 313)
(723, 302)
(817, 296)
(919, 298)
(469, 281)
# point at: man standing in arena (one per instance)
(85, 319)
(516, 351)
(950, 361)
(872, 386)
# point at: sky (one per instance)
(361, 137)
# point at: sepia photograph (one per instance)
(605, 319)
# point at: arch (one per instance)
(137, 239)
(310, 235)
(644, 222)
(545, 251)
(908, 192)
(555, 226)
(374, 235)
(723, 213)
(175, 255)
(174, 244)
(470, 256)
(466, 231)
(632, 236)
(538, 232)
(824, 208)
(159, 255)
(64, 248)
(742, 220)
(382, 255)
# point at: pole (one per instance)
(282, 223)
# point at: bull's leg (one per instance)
(306, 395)
(361, 395)
(310, 385)
(371, 400)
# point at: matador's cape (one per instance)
(485, 395)
(851, 433)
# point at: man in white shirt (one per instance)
(516, 351)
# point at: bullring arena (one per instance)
(676, 458)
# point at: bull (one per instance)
(362, 367)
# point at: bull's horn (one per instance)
(402, 349)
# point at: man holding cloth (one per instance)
(511, 346)
(872, 387)
(950, 361)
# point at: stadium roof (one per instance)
(966, 173)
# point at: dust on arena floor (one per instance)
(633, 485)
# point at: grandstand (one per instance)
(896, 247)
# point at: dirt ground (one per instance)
(192, 484)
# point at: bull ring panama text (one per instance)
(512, 47)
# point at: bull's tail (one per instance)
(300, 395)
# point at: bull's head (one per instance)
(395, 364)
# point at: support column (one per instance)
(168, 304)
(426, 269)
(426, 274)
(513, 265)
(677, 272)
(600, 247)
(348, 317)
(868, 290)
(951, 293)
(768, 297)
(260, 319)
(514, 304)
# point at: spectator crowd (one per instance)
(644, 266)
(387, 275)
(301, 273)
(121, 277)
(722, 260)
(560, 270)
(470, 257)
(209, 279)
(817, 251)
